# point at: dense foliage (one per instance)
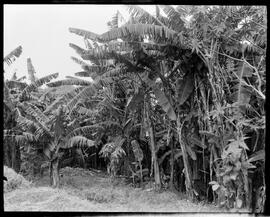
(177, 99)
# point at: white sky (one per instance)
(42, 31)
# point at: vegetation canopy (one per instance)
(176, 99)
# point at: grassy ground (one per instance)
(83, 190)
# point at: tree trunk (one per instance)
(7, 158)
(189, 188)
(172, 164)
(54, 173)
(153, 149)
(15, 157)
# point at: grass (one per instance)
(82, 190)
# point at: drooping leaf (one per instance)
(8, 98)
(215, 187)
(87, 43)
(31, 71)
(11, 57)
(213, 183)
(138, 153)
(78, 141)
(16, 84)
(86, 130)
(35, 112)
(63, 99)
(70, 81)
(84, 33)
(21, 137)
(38, 83)
(259, 155)
(142, 29)
(47, 152)
(84, 65)
(78, 49)
(58, 127)
(191, 153)
(247, 70)
(25, 123)
(174, 17)
(197, 142)
(135, 100)
(87, 92)
(84, 74)
(85, 111)
(241, 95)
(142, 16)
(21, 78)
(239, 203)
(184, 88)
(164, 103)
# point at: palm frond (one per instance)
(84, 33)
(112, 55)
(37, 84)
(31, 70)
(7, 97)
(160, 34)
(87, 44)
(64, 99)
(78, 141)
(78, 49)
(84, 74)
(21, 78)
(70, 81)
(177, 154)
(110, 124)
(40, 128)
(25, 123)
(85, 93)
(115, 72)
(16, 84)
(71, 77)
(107, 149)
(165, 103)
(114, 21)
(86, 130)
(118, 152)
(85, 111)
(11, 57)
(48, 93)
(84, 65)
(35, 112)
(113, 149)
(14, 76)
(21, 137)
(174, 17)
(138, 153)
(142, 16)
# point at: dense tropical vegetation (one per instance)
(177, 98)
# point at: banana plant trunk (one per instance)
(54, 173)
(15, 157)
(188, 182)
(153, 148)
(172, 164)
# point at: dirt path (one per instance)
(84, 191)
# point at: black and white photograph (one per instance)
(118, 108)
